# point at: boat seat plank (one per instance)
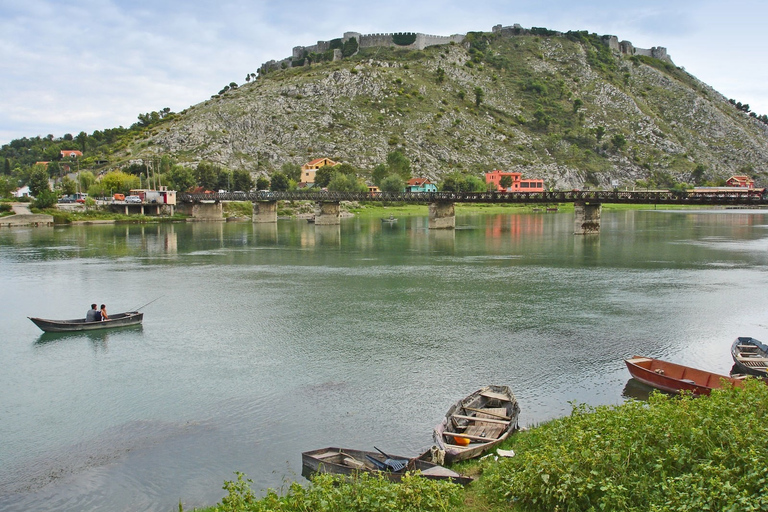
(480, 419)
(326, 455)
(494, 395)
(754, 359)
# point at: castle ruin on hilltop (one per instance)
(418, 41)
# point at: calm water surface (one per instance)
(273, 339)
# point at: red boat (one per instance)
(676, 378)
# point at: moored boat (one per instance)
(750, 356)
(676, 378)
(349, 462)
(79, 324)
(477, 423)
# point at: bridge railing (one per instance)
(747, 197)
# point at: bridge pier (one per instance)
(327, 213)
(203, 211)
(442, 215)
(264, 211)
(586, 218)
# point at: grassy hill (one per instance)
(561, 107)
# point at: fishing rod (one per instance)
(147, 304)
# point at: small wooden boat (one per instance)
(750, 356)
(477, 423)
(390, 220)
(344, 461)
(676, 378)
(79, 324)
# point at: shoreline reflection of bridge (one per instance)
(587, 203)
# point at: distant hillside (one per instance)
(565, 107)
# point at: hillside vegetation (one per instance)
(560, 107)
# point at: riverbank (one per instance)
(670, 453)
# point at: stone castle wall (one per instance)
(425, 40)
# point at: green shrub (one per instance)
(669, 454)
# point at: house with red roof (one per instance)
(740, 181)
(71, 153)
(420, 185)
(518, 183)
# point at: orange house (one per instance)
(518, 183)
(71, 153)
(309, 169)
(740, 181)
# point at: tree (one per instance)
(207, 175)
(440, 75)
(399, 163)
(293, 171)
(7, 185)
(68, 186)
(120, 182)
(599, 133)
(181, 178)
(379, 173)
(479, 94)
(618, 141)
(45, 199)
(392, 184)
(38, 180)
(86, 179)
(279, 182)
(577, 104)
(698, 174)
(341, 182)
(506, 181)
(241, 180)
(350, 47)
(323, 175)
(81, 139)
(262, 183)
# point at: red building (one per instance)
(740, 181)
(518, 183)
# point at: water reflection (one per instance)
(99, 338)
(637, 390)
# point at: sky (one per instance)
(86, 65)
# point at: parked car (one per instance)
(132, 199)
(119, 197)
(66, 199)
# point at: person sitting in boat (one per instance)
(93, 314)
(103, 312)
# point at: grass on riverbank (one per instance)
(667, 454)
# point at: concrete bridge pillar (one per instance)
(202, 211)
(442, 215)
(586, 218)
(327, 214)
(264, 211)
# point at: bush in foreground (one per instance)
(669, 454)
(328, 493)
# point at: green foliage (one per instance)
(618, 141)
(440, 75)
(46, 198)
(7, 185)
(462, 182)
(279, 182)
(322, 176)
(670, 454)
(350, 47)
(392, 184)
(180, 178)
(341, 182)
(378, 174)
(404, 39)
(262, 183)
(38, 181)
(119, 182)
(330, 493)
(479, 94)
(241, 180)
(399, 164)
(292, 170)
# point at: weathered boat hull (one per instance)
(676, 378)
(495, 417)
(331, 460)
(750, 356)
(79, 324)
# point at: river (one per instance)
(268, 340)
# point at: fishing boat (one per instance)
(676, 378)
(390, 220)
(477, 423)
(750, 356)
(344, 461)
(79, 324)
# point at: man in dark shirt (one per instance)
(93, 314)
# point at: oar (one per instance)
(147, 304)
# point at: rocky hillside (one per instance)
(561, 107)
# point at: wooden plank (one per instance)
(489, 413)
(469, 436)
(484, 420)
(497, 396)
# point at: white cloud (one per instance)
(95, 64)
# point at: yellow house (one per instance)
(309, 169)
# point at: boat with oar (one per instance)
(349, 462)
(750, 356)
(391, 220)
(677, 378)
(134, 317)
(79, 324)
(477, 423)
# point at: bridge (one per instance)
(587, 203)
